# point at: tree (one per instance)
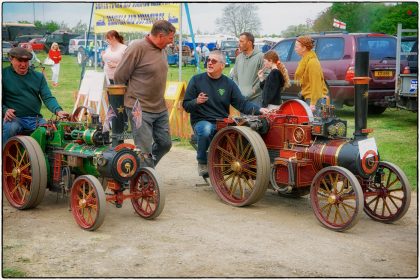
(64, 26)
(369, 17)
(296, 30)
(324, 21)
(404, 13)
(80, 28)
(49, 26)
(238, 18)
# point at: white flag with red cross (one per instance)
(339, 24)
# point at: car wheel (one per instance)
(376, 110)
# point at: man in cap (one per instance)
(24, 90)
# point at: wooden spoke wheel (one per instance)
(149, 198)
(88, 202)
(336, 198)
(239, 165)
(387, 199)
(24, 172)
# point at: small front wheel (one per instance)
(336, 198)
(88, 202)
(148, 197)
(388, 198)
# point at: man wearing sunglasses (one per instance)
(144, 68)
(207, 99)
(23, 91)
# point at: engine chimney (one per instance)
(361, 88)
(116, 100)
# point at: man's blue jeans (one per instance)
(153, 136)
(204, 132)
(18, 125)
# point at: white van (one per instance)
(75, 44)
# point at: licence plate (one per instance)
(383, 74)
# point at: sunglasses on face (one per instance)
(212, 60)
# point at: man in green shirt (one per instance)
(23, 91)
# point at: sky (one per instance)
(274, 17)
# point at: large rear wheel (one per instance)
(24, 172)
(388, 197)
(239, 165)
(336, 198)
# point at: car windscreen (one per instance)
(329, 48)
(378, 47)
(409, 45)
(283, 49)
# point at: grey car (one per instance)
(6, 47)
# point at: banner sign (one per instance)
(339, 24)
(133, 17)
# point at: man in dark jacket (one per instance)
(24, 90)
(207, 99)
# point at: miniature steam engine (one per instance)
(297, 153)
(67, 156)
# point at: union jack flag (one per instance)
(109, 116)
(137, 114)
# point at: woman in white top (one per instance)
(113, 54)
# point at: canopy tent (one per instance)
(139, 17)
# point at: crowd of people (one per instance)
(255, 87)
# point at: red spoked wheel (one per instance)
(149, 197)
(24, 172)
(336, 198)
(88, 202)
(388, 196)
(239, 165)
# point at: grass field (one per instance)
(395, 131)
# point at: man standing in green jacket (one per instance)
(23, 91)
(247, 65)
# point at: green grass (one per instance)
(395, 131)
(12, 273)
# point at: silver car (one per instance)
(6, 47)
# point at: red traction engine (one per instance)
(68, 157)
(297, 153)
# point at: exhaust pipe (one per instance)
(361, 92)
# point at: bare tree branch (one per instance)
(238, 18)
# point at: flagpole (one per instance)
(197, 60)
(87, 38)
(180, 45)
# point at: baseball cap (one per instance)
(20, 53)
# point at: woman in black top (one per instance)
(276, 81)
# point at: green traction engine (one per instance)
(68, 156)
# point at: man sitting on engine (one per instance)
(24, 90)
(207, 99)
